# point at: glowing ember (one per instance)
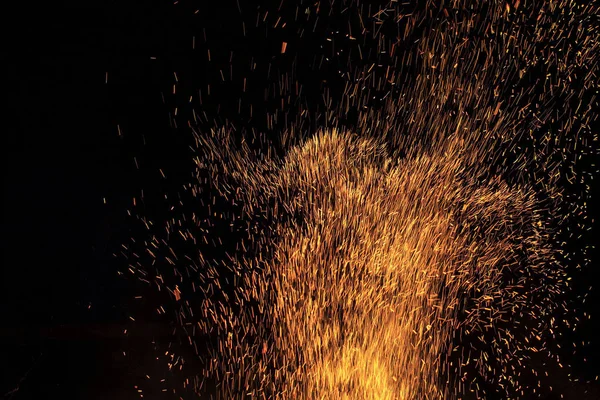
(412, 256)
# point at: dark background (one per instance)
(64, 309)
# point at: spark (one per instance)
(409, 252)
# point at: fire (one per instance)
(411, 253)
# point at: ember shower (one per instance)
(400, 239)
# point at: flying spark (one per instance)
(400, 241)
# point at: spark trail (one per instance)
(362, 293)
(365, 258)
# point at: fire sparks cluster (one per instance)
(362, 294)
(410, 251)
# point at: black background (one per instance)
(64, 309)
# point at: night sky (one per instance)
(93, 99)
